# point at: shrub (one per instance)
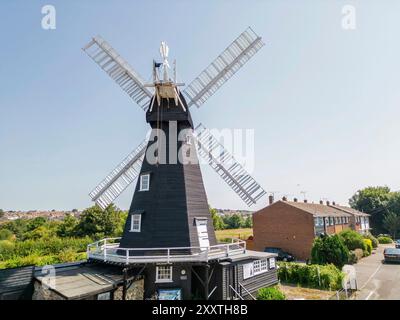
(355, 255)
(368, 244)
(353, 240)
(329, 249)
(270, 293)
(372, 238)
(314, 276)
(6, 234)
(385, 240)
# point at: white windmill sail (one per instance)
(119, 70)
(120, 178)
(231, 171)
(223, 67)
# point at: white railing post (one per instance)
(127, 256)
(227, 250)
(245, 246)
(105, 249)
(168, 255)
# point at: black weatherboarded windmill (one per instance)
(169, 237)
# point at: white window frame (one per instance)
(142, 187)
(272, 263)
(167, 277)
(134, 218)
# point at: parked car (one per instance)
(391, 254)
(282, 255)
(397, 243)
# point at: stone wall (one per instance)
(44, 293)
(135, 292)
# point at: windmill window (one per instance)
(164, 274)
(144, 182)
(136, 220)
(188, 140)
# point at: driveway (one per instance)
(376, 280)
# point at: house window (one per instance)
(136, 220)
(256, 267)
(144, 182)
(272, 263)
(331, 221)
(164, 274)
(260, 266)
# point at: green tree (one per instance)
(233, 221)
(391, 222)
(248, 222)
(99, 223)
(217, 220)
(36, 223)
(374, 201)
(329, 249)
(17, 227)
(68, 228)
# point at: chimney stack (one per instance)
(305, 201)
(328, 203)
(321, 202)
(295, 199)
(284, 198)
(271, 199)
(333, 203)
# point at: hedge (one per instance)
(330, 277)
(385, 240)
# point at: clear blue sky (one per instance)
(324, 102)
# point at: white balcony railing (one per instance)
(109, 250)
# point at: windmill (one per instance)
(169, 219)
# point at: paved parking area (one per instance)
(377, 280)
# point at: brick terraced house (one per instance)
(293, 225)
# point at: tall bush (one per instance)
(374, 240)
(329, 249)
(352, 239)
(368, 245)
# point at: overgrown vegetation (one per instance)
(39, 241)
(270, 293)
(313, 276)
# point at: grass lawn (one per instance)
(234, 233)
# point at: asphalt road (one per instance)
(377, 280)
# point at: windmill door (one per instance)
(201, 225)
